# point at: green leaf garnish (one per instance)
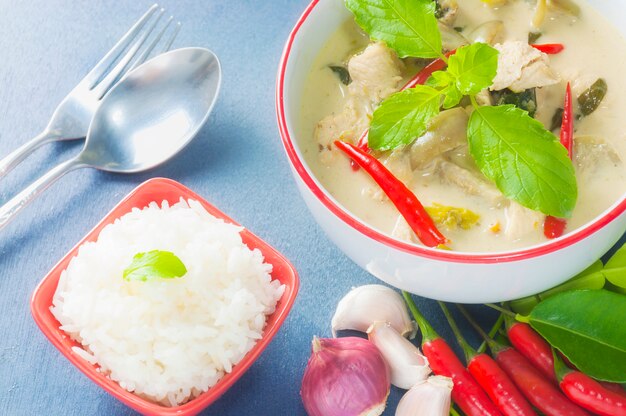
(439, 79)
(587, 326)
(155, 264)
(473, 67)
(453, 97)
(615, 269)
(403, 117)
(342, 73)
(527, 162)
(407, 26)
(526, 100)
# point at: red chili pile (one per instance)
(524, 376)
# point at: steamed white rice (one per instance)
(167, 340)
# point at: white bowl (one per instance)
(437, 274)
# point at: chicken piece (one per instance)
(520, 67)
(446, 132)
(521, 221)
(402, 231)
(471, 183)
(484, 98)
(376, 73)
(592, 152)
(346, 125)
(447, 11)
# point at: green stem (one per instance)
(560, 369)
(495, 346)
(492, 333)
(501, 309)
(474, 102)
(453, 411)
(508, 322)
(428, 332)
(469, 352)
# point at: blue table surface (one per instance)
(236, 162)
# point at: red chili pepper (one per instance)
(466, 393)
(532, 346)
(422, 76)
(587, 392)
(614, 387)
(555, 227)
(405, 201)
(567, 125)
(539, 390)
(498, 386)
(550, 48)
(419, 79)
(537, 350)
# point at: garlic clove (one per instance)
(427, 398)
(345, 377)
(364, 305)
(406, 363)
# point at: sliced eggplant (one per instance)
(446, 131)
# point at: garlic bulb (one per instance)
(428, 398)
(364, 305)
(345, 377)
(406, 363)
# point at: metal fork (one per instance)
(72, 117)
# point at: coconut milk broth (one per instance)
(594, 49)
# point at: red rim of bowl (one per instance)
(172, 191)
(338, 211)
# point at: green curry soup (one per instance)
(353, 75)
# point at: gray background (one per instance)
(236, 163)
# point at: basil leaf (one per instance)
(407, 26)
(439, 79)
(526, 100)
(616, 276)
(590, 278)
(443, 81)
(474, 67)
(453, 97)
(155, 264)
(403, 117)
(615, 269)
(527, 162)
(618, 259)
(342, 73)
(587, 326)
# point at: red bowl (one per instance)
(159, 189)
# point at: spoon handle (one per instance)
(19, 201)
(14, 158)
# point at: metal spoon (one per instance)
(143, 121)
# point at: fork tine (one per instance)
(144, 55)
(109, 59)
(168, 44)
(120, 68)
